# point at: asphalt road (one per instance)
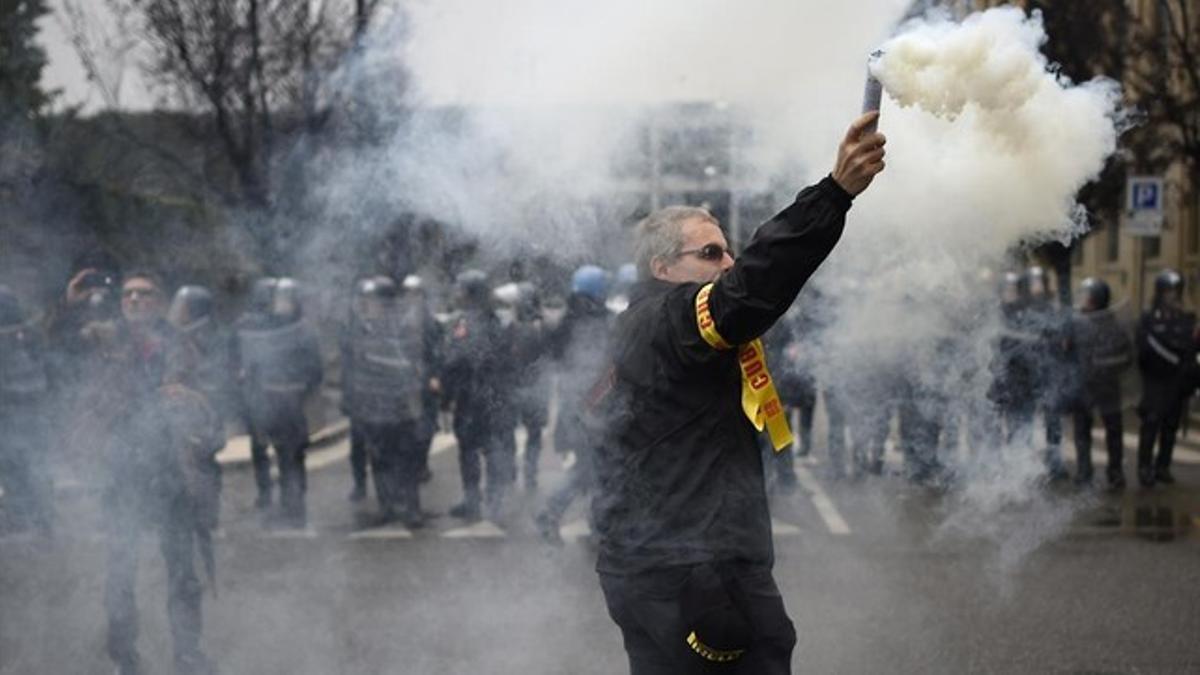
(879, 577)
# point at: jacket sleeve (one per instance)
(783, 254)
(767, 276)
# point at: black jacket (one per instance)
(1166, 350)
(680, 476)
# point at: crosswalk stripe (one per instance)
(290, 533)
(484, 529)
(782, 529)
(825, 507)
(382, 533)
(575, 530)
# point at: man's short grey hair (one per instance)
(660, 235)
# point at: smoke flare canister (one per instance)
(873, 93)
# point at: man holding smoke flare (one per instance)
(685, 533)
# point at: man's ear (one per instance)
(659, 267)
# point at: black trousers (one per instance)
(1159, 423)
(579, 481)
(358, 455)
(280, 422)
(532, 412)
(176, 540)
(479, 441)
(396, 460)
(1112, 437)
(648, 608)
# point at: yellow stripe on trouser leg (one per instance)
(760, 401)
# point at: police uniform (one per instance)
(1167, 358)
(280, 363)
(681, 506)
(1102, 351)
(387, 363)
(477, 366)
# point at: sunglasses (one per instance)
(710, 252)
(134, 293)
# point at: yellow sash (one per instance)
(760, 401)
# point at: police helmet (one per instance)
(1167, 281)
(286, 303)
(1096, 294)
(191, 305)
(1011, 288)
(10, 308)
(412, 282)
(472, 288)
(1035, 283)
(376, 287)
(591, 281)
(262, 294)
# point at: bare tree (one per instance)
(255, 85)
(1163, 78)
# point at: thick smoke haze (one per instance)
(550, 98)
(988, 147)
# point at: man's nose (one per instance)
(726, 261)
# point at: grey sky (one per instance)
(65, 72)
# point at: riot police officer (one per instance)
(580, 347)
(387, 355)
(279, 364)
(1014, 366)
(1102, 351)
(1052, 365)
(531, 387)
(476, 369)
(1166, 345)
(415, 290)
(24, 396)
(255, 319)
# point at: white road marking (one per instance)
(825, 508)
(484, 529)
(382, 533)
(575, 530)
(322, 458)
(290, 533)
(782, 529)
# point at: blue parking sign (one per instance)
(1146, 196)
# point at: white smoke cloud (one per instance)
(987, 151)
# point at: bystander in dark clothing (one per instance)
(157, 441)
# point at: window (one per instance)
(1113, 242)
(1151, 247)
